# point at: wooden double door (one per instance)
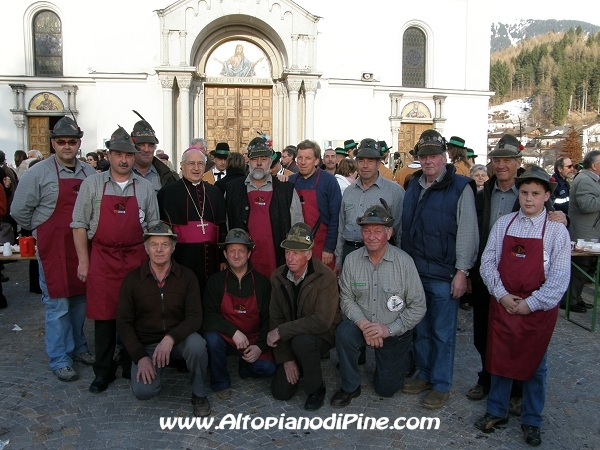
(38, 127)
(407, 138)
(234, 114)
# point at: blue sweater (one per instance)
(329, 201)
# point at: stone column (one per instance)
(293, 89)
(310, 89)
(439, 106)
(182, 55)
(184, 81)
(294, 51)
(167, 138)
(20, 123)
(164, 51)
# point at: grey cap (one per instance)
(431, 143)
(121, 141)
(369, 148)
(507, 147)
(66, 127)
(539, 174)
(377, 215)
(237, 236)
(160, 229)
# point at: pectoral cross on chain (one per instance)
(202, 225)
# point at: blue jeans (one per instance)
(218, 349)
(193, 350)
(534, 396)
(436, 335)
(391, 361)
(64, 326)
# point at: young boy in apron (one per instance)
(526, 266)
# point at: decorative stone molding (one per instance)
(293, 86)
(166, 81)
(395, 99)
(310, 85)
(184, 81)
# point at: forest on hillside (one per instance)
(561, 71)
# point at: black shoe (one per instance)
(585, 304)
(342, 398)
(532, 435)
(315, 400)
(101, 383)
(577, 308)
(489, 421)
(201, 406)
(362, 357)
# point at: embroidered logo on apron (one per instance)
(119, 208)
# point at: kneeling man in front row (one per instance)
(236, 316)
(158, 314)
(304, 312)
(382, 300)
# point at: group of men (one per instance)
(402, 261)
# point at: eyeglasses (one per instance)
(62, 142)
(193, 163)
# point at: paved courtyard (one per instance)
(38, 411)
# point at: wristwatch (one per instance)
(390, 331)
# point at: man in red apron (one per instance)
(264, 206)
(526, 267)
(113, 210)
(44, 203)
(236, 316)
(321, 200)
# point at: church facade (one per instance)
(226, 70)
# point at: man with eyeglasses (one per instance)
(112, 212)
(44, 202)
(563, 169)
(146, 164)
(196, 211)
(158, 316)
(264, 206)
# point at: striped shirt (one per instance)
(557, 258)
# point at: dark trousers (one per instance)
(481, 309)
(307, 349)
(578, 279)
(105, 341)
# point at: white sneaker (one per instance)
(66, 374)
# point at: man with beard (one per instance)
(264, 206)
(195, 210)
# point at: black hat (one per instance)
(507, 147)
(299, 238)
(384, 147)
(142, 131)
(341, 151)
(237, 236)
(431, 143)
(120, 141)
(456, 141)
(471, 153)
(259, 146)
(377, 215)
(539, 174)
(350, 144)
(66, 127)
(221, 150)
(160, 229)
(275, 157)
(414, 151)
(369, 148)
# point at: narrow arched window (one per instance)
(47, 44)
(413, 58)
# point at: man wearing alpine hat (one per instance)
(219, 154)
(112, 212)
(382, 299)
(350, 147)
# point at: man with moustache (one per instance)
(112, 211)
(146, 164)
(44, 203)
(195, 210)
(264, 206)
(330, 160)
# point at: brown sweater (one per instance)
(143, 318)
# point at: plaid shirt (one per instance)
(557, 258)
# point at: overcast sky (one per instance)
(508, 10)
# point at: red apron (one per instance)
(516, 344)
(117, 249)
(243, 314)
(259, 226)
(56, 247)
(310, 211)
